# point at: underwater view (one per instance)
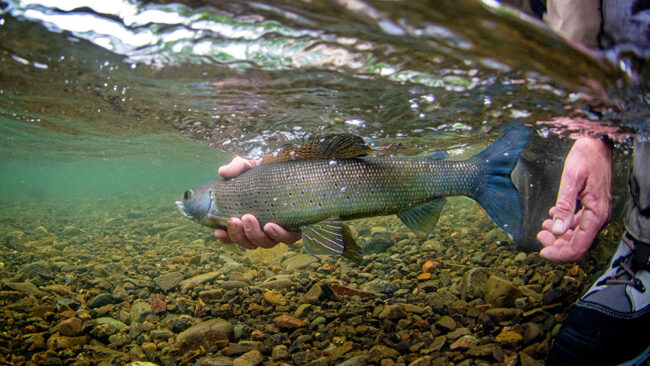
(111, 110)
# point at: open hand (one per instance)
(587, 178)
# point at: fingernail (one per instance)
(247, 225)
(271, 231)
(558, 226)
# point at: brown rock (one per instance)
(500, 292)
(393, 312)
(314, 294)
(502, 314)
(474, 283)
(288, 322)
(71, 327)
(274, 297)
(484, 350)
(204, 334)
(508, 337)
(158, 304)
(463, 343)
(429, 266)
(251, 358)
(58, 341)
(446, 322)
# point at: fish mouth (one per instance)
(181, 207)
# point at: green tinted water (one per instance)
(157, 172)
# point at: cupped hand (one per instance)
(246, 231)
(586, 179)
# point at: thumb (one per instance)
(565, 207)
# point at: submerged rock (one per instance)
(71, 327)
(101, 300)
(500, 292)
(299, 261)
(25, 287)
(288, 322)
(204, 334)
(197, 280)
(168, 281)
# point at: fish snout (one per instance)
(181, 207)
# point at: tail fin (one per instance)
(498, 196)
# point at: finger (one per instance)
(255, 234)
(551, 211)
(547, 224)
(560, 253)
(237, 166)
(586, 232)
(280, 235)
(546, 238)
(222, 235)
(236, 233)
(567, 198)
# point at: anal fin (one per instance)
(422, 219)
(330, 237)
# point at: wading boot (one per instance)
(610, 324)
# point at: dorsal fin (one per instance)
(440, 155)
(322, 147)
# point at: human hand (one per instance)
(587, 178)
(246, 231)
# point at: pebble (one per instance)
(279, 353)
(101, 300)
(314, 294)
(279, 284)
(508, 337)
(381, 352)
(457, 333)
(204, 334)
(500, 292)
(139, 310)
(388, 288)
(169, 280)
(464, 343)
(198, 280)
(446, 322)
(288, 322)
(71, 327)
(234, 350)
(274, 297)
(251, 358)
(299, 261)
(229, 285)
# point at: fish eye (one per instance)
(187, 194)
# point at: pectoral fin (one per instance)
(330, 237)
(422, 219)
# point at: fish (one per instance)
(316, 187)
